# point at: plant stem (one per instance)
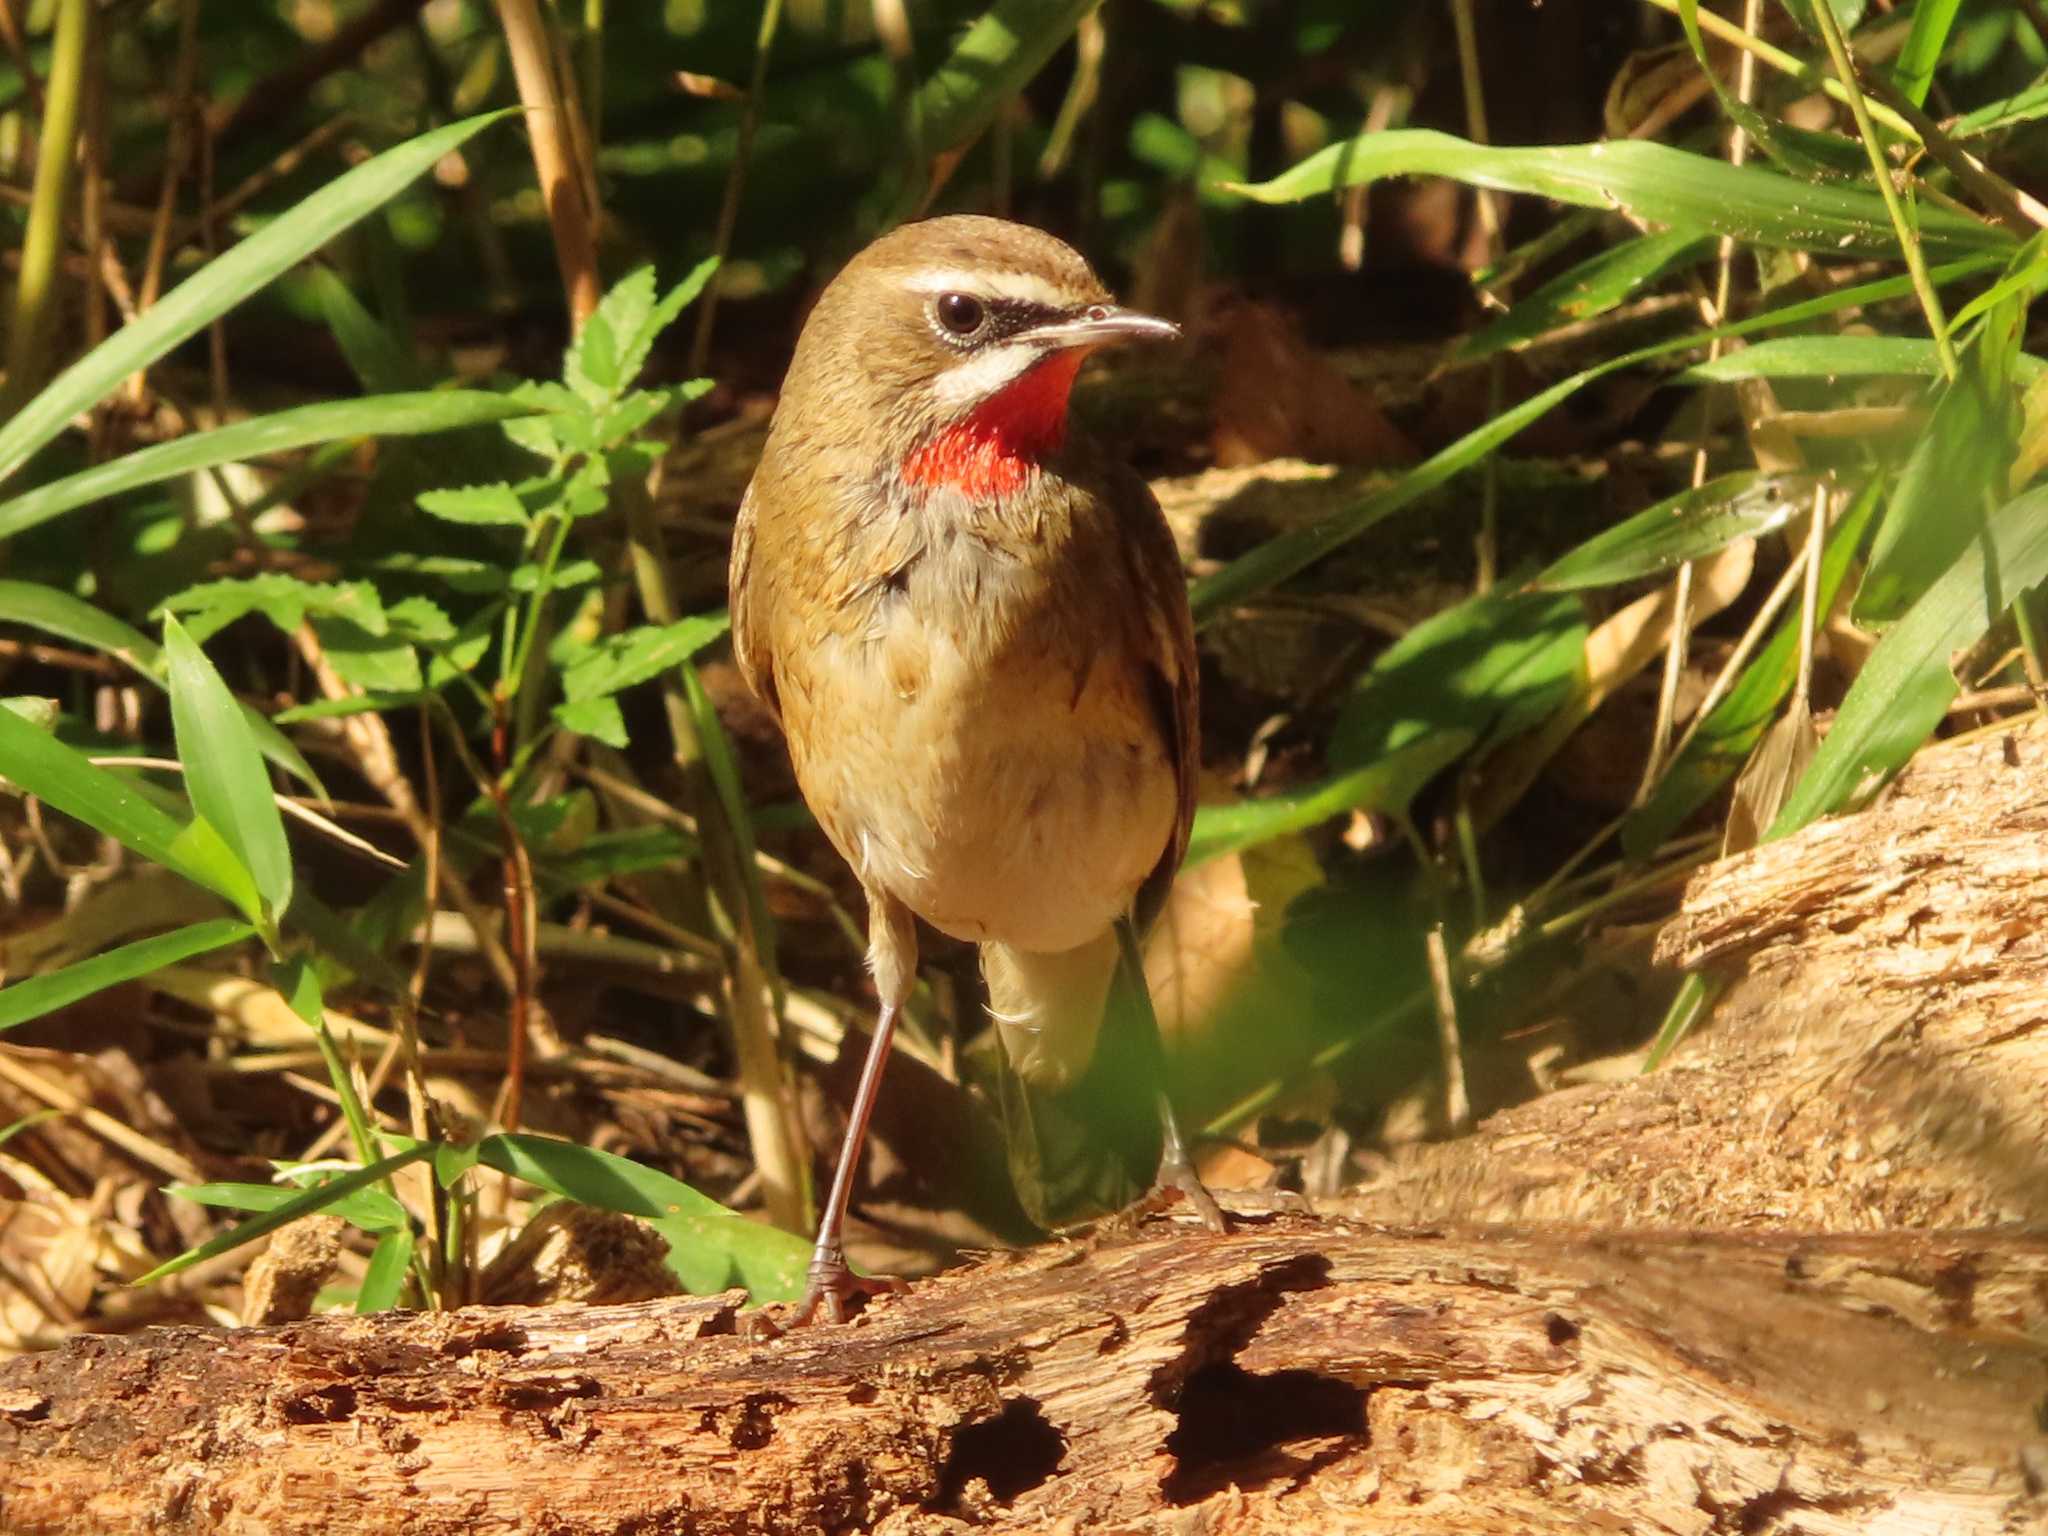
(57, 147)
(736, 179)
(1916, 261)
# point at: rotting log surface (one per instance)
(1298, 1375)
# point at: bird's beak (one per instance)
(1102, 325)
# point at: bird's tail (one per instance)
(1078, 1104)
(1049, 1007)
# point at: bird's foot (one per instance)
(1178, 1174)
(832, 1286)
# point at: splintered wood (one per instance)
(1299, 1375)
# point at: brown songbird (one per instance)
(973, 625)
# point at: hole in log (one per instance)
(1561, 1329)
(1233, 1426)
(1012, 1453)
(322, 1405)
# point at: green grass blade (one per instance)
(225, 282)
(224, 772)
(994, 60)
(1593, 287)
(1725, 739)
(1386, 785)
(370, 1210)
(1932, 20)
(1906, 686)
(1652, 182)
(384, 1279)
(1821, 357)
(35, 996)
(379, 416)
(318, 1198)
(1261, 569)
(62, 777)
(1688, 526)
(71, 618)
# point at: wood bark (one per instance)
(1298, 1375)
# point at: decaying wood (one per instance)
(1880, 1059)
(1299, 1375)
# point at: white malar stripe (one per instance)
(992, 283)
(985, 373)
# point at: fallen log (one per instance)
(1298, 1375)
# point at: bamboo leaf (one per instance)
(1653, 182)
(1688, 526)
(225, 282)
(34, 996)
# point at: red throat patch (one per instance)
(994, 450)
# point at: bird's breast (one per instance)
(976, 735)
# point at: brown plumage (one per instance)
(973, 626)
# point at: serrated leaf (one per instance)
(623, 660)
(570, 573)
(375, 663)
(477, 506)
(420, 620)
(597, 718)
(224, 772)
(284, 600)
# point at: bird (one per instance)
(972, 622)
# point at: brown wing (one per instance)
(750, 642)
(1168, 640)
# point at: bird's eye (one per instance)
(961, 313)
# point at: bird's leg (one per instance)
(892, 954)
(830, 1281)
(1176, 1168)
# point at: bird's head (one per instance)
(952, 345)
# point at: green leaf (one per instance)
(1957, 472)
(710, 1247)
(1914, 70)
(1725, 739)
(598, 718)
(384, 1279)
(1848, 13)
(374, 355)
(64, 778)
(1906, 685)
(477, 506)
(224, 282)
(990, 65)
(1648, 181)
(1487, 668)
(2027, 106)
(1820, 357)
(375, 663)
(452, 1162)
(262, 437)
(224, 773)
(1593, 287)
(1260, 569)
(298, 981)
(369, 1210)
(59, 613)
(34, 996)
(202, 855)
(284, 600)
(1387, 785)
(624, 660)
(1684, 527)
(305, 1203)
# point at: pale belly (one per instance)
(993, 802)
